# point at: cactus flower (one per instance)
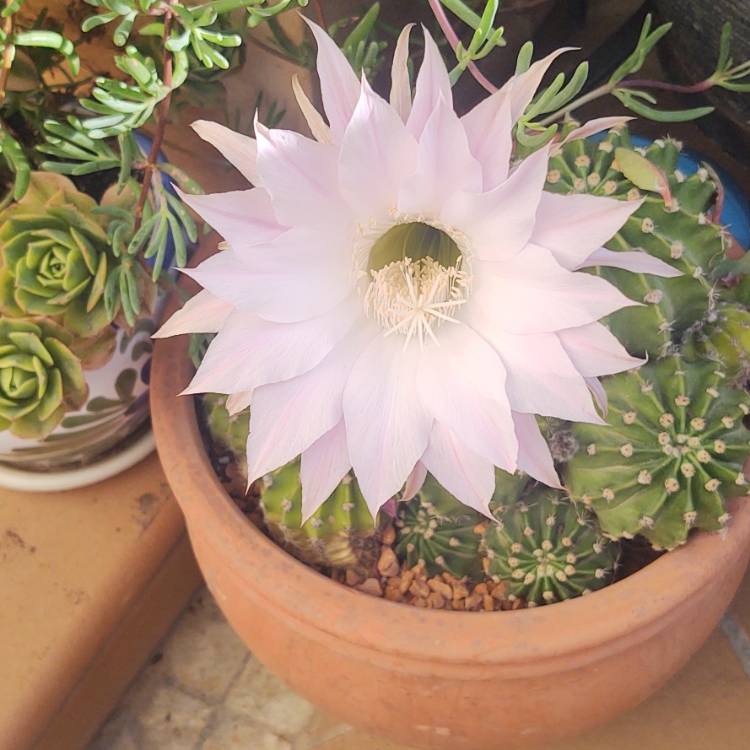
(397, 296)
(40, 377)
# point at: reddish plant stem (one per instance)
(453, 39)
(693, 88)
(162, 117)
(321, 14)
(8, 24)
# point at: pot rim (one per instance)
(549, 632)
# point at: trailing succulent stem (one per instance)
(546, 550)
(671, 453)
(674, 224)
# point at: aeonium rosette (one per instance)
(54, 256)
(40, 376)
(397, 296)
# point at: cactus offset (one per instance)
(678, 232)
(228, 431)
(545, 550)
(340, 534)
(437, 530)
(724, 338)
(672, 451)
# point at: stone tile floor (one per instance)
(203, 690)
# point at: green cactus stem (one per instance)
(546, 550)
(435, 529)
(228, 431)
(340, 534)
(724, 338)
(672, 452)
(673, 224)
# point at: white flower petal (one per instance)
(636, 261)
(499, 223)
(489, 129)
(444, 165)
(301, 175)
(377, 153)
(592, 127)
(462, 384)
(400, 85)
(541, 378)
(287, 417)
(237, 402)
(249, 352)
(572, 227)
(464, 473)
(318, 126)
(324, 464)
(414, 482)
(238, 149)
(203, 313)
(599, 394)
(532, 293)
(387, 427)
(432, 83)
(595, 351)
(339, 86)
(534, 456)
(242, 217)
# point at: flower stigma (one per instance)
(417, 280)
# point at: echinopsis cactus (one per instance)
(673, 225)
(725, 339)
(672, 452)
(340, 534)
(228, 431)
(434, 529)
(546, 550)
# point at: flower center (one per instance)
(417, 280)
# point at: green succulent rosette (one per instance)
(54, 256)
(40, 376)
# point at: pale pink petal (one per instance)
(489, 129)
(444, 165)
(432, 83)
(523, 87)
(400, 85)
(287, 417)
(249, 352)
(595, 351)
(541, 378)
(462, 385)
(237, 402)
(302, 273)
(533, 293)
(318, 126)
(592, 127)
(238, 149)
(324, 464)
(223, 275)
(241, 217)
(574, 226)
(301, 175)
(339, 86)
(534, 456)
(387, 427)
(202, 313)
(377, 153)
(414, 482)
(599, 394)
(499, 223)
(636, 261)
(464, 473)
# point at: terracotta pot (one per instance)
(436, 679)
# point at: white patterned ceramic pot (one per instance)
(115, 408)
